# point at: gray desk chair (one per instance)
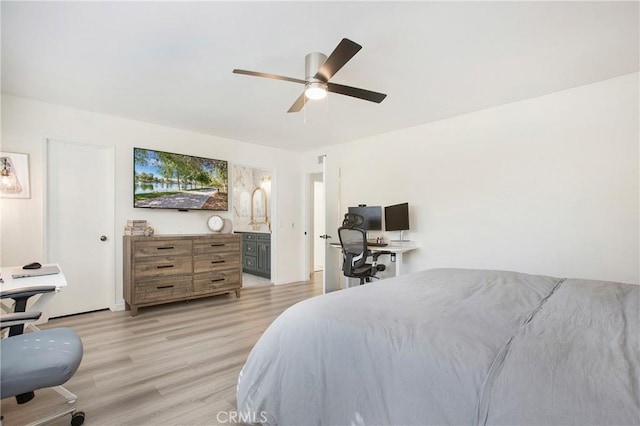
(355, 252)
(20, 297)
(38, 360)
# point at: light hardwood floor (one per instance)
(174, 364)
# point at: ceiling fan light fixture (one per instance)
(316, 90)
(319, 69)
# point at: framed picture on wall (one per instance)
(14, 175)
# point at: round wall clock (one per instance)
(215, 223)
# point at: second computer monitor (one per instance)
(396, 217)
(372, 217)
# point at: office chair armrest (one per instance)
(26, 292)
(18, 318)
(376, 254)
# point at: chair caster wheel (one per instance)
(77, 418)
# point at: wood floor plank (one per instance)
(174, 364)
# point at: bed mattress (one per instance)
(451, 346)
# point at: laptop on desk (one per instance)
(27, 273)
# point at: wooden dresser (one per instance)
(170, 268)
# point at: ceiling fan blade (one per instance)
(367, 95)
(345, 50)
(298, 104)
(266, 75)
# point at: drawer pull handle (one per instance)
(164, 266)
(217, 245)
(217, 280)
(217, 261)
(160, 287)
(166, 248)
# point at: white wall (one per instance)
(26, 124)
(548, 185)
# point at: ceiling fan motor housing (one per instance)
(312, 63)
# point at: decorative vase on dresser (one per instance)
(170, 268)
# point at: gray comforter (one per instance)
(451, 346)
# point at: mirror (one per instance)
(259, 206)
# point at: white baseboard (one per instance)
(118, 306)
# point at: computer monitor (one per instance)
(372, 217)
(396, 217)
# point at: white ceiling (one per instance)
(170, 63)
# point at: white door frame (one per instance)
(331, 277)
(108, 193)
(319, 223)
(308, 218)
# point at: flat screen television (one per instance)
(164, 180)
(372, 217)
(396, 217)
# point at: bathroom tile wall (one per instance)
(245, 181)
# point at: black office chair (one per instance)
(355, 252)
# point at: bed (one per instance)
(451, 346)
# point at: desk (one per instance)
(397, 249)
(58, 280)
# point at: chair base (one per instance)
(69, 396)
(77, 418)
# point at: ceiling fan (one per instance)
(318, 71)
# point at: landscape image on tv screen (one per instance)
(164, 180)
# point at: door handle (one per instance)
(325, 236)
(103, 238)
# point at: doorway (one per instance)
(317, 221)
(252, 217)
(79, 234)
(329, 222)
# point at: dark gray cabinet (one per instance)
(256, 254)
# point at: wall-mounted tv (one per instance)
(164, 180)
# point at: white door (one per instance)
(80, 225)
(331, 178)
(318, 222)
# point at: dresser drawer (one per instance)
(162, 248)
(159, 289)
(221, 245)
(215, 262)
(162, 266)
(219, 280)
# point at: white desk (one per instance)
(397, 249)
(58, 280)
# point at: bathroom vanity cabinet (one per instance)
(256, 253)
